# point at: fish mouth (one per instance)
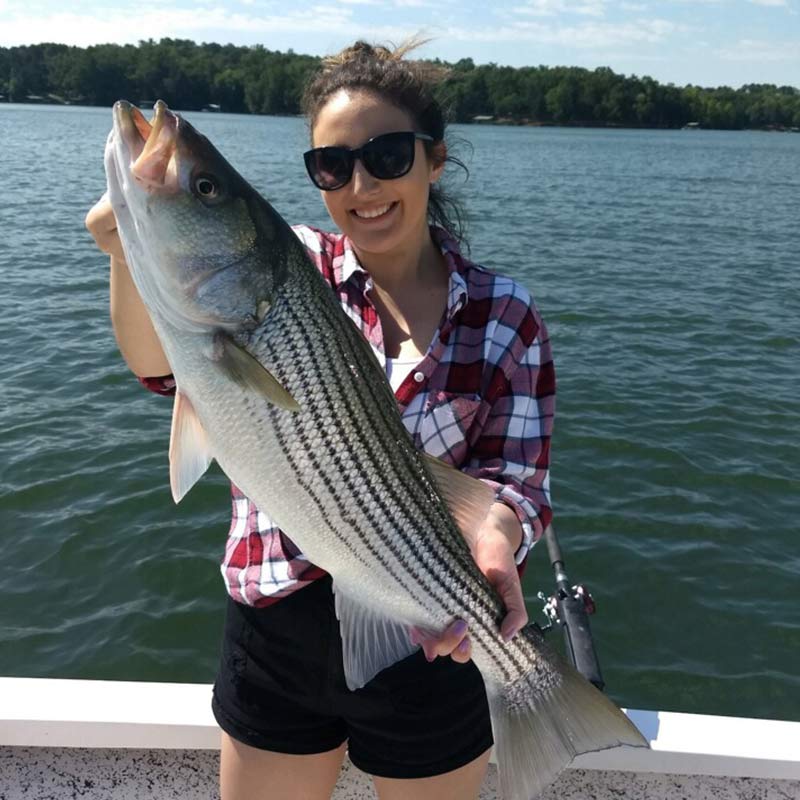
(152, 145)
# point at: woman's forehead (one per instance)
(351, 117)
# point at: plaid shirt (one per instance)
(482, 399)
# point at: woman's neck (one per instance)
(416, 266)
(410, 294)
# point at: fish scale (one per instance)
(277, 384)
(330, 353)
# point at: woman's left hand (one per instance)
(493, 548)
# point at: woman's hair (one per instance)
(408, 85)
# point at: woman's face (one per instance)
(350, 119)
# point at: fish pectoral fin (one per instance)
(189, 452)
(468, 499)
(370, 641)
(246, 371)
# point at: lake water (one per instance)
(666, 265)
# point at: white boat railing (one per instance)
(103, 715)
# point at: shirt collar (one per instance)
(457, 266)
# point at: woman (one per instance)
(468, 357)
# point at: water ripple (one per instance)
(665, 266)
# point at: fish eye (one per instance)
(206, 187)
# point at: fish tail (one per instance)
(538, 729)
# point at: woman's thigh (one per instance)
(247, 773)
(463, 783)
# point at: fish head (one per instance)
(204, 247)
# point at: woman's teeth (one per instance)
(372, 212)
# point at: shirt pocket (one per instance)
(447, 426)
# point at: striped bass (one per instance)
(276, 383)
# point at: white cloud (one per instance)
(549, 8)
(760, 50)
(773, 3)
(323, 11)
(589, 35)
(202, 24)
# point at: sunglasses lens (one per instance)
(329, 167)
(389, 156)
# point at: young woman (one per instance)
(469, 359)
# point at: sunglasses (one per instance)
(385, 157)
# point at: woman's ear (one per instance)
(437, 158)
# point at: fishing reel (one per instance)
(569, 609)
(550, 605)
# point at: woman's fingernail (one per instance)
(460, 628)
(463, 646)
(509, 635)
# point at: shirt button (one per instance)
(419, 377)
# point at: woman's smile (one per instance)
(375, 214)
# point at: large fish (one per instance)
(278, 385)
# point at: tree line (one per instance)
(256, 80)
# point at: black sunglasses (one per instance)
(388, 156)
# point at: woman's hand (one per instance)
(102, 224)
(493, 549)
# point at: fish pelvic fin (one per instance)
(538, 730)
(189, 450)
(246, 371)
(468, 499)
(370, 641)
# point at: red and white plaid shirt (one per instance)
(482, 399)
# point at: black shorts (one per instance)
(281, 687)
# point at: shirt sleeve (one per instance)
(512, 453)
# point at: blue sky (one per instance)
(705, 42)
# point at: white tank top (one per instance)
(397, 369)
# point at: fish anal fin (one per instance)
(468, 499)
(246, 371)
(189, 451)
(370, 641)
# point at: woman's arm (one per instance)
(133, 329)
(512, 455)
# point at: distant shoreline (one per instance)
(255, 80)
(480, 120)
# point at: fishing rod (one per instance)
(569, 609)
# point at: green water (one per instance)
(665, 264)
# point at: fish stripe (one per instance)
(439, 580)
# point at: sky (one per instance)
(703, 42)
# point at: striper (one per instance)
(276, 383)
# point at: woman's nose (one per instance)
(363, 182)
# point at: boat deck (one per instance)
(104, 740)
(28, 773)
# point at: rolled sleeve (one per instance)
(512, 454)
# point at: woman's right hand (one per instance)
(102, 224)
(133, 328)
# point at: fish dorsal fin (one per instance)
(370, 641)
(468, 499)
(189, 453)
(245, 370)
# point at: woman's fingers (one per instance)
(463, 652)
(453, 642)
(516, 618)
(102, 224)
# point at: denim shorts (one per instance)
(281, 687)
